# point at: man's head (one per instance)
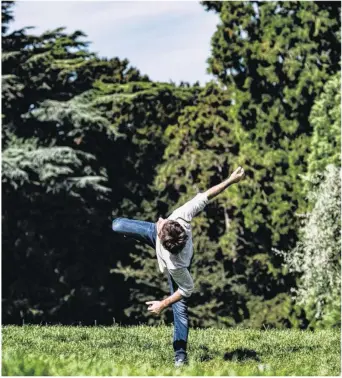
(172, 235)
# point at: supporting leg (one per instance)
(181, 325)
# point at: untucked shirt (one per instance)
(177, 265)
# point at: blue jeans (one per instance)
(146, 232)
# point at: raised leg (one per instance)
(145, 232)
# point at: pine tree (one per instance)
(70, 106)
(55, 198)
(274, 58)
(55, 203)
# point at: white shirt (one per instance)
(177, 265)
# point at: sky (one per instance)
(166, 40)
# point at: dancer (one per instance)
(172, 240)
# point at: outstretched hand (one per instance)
(237, 175)
(155, 307)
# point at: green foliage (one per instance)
(325, 118)
(142, 350)
(317, 255)
(278, 312)
(193, 161)
(49, 193)
(74, 126)
(56, 193)
(56, 169)
(141, 112)
(54, 66)
(273, 57)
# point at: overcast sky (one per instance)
(167, 40)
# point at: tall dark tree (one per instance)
(64, 108)
(54, 204)
(52, 195)
(274, 58)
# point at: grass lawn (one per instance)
(143, 350)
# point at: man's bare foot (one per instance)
(237, 175)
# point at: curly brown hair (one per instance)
(173, 237)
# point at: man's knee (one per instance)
(117, 225)
(181, 311)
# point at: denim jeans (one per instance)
(146, 233)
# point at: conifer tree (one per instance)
(274, 58)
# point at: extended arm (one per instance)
(185, 283)
(236, 176)
(156, 307)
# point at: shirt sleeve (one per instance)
(192, 207)
(183, 280)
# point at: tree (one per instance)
(55, 204)
(274, 58)
(317, 255)
(230, 268)
(53, 192)
(52, 66)
(325, 118)
(65, 108)
(140, 113)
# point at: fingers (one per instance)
(150, 307)
(238, 174)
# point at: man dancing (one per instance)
(172, 240)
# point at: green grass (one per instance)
(143, 350)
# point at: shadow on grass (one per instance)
(206, 354)
(241, 355)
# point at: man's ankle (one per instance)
(181, 355)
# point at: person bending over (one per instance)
(172, 240)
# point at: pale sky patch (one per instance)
(167, 40)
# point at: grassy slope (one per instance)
(143, 350)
